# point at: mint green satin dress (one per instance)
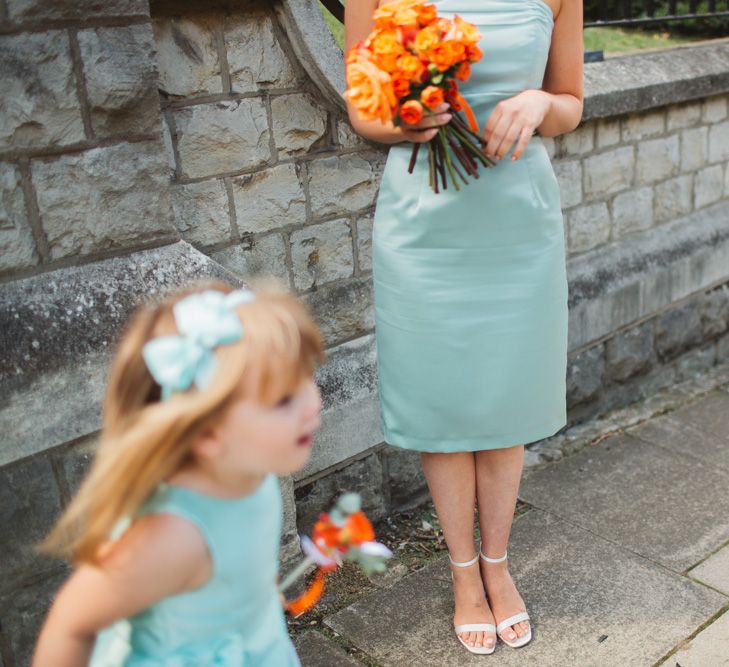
(470, 287)
(233, 620)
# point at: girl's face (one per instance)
(258, 439)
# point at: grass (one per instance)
(612, 41)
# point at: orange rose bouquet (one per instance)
(410, 63)
(345, 533)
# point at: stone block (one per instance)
(269, 199)
(120, 69)
(550, 146)
(715, 312)
(585, 373)
(719, 142)
(726, 182)
(714, 109)
(673, 198)
(632, 211)
(708, 185)
(103, 198)
(24, 612)
(405, 478)
(321, 253)
(678, 329)
(255, 58)
(40, 105)
(695, 363)
(609, 172)
(629, 352)
(709, 647)
(222, 137)
(364, 243)
(75, 463)
(343, 183)
(638, 126)
(289, 535)
(343, 310)
(202, 214)
(683, 115)
(347, 137)
(256, 257)
(657, 159)
(299, 123)
(21, 11)
(588, 227)
(29, 505)
(694, 148)
(608, 132)
(722, 349)
(579, 141)
(364, 476)
(569, 177)
(16, 238)
(187, 54)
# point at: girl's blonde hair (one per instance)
(145, 440)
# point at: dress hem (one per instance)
(467, 445)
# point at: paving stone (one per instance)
(315, 650)
(120, 69)
(592, 604)
(187, 55)
(639, 495)
(714, 571)
(686, 438)
(40, 103)
(710, 648)
(222, 137)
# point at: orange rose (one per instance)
(432, 96)
(411, 112)
(369, 89)
(403, 12)
(442, 56)
(411, 67)
(425, 40)
(401, 86)
(427, 14)
(463, 71)
(465, 31)
(473, 53)
(458, 50)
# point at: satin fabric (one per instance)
(470, 287)
(235, 619)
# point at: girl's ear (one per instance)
(207, 444)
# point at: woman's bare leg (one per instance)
(498, 473)
(452, 483)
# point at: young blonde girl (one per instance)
(211, 396)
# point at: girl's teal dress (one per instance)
(235, 619)
(471, 287)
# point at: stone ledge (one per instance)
(57, 331)
(615, 86)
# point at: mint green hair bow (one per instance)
(204, 320)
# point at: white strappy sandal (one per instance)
(473, 627)
(516, 618)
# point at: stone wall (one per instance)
(142, 147)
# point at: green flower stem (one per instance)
(413, 157)
(449, 164)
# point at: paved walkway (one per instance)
(622, 559)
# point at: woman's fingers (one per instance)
(526, 134)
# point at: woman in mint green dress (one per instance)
(175, 533)
(471, 293)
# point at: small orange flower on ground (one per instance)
(325, 533)
(432, 96)
(411, 112)
(309, 597)
(463, 72)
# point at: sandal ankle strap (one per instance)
(492, 560)
(473, 561)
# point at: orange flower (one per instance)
(309, 597)
(411, 112)
(325, 533)
(464, 31)
(473, 53)
(411, 67)
(369, 89)
(442, 56)
(358, 529)
(385, 42)
(432, 96)
(425, 40)
(427, 14)
(463, 71)
(400, 85)
(403, 12)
